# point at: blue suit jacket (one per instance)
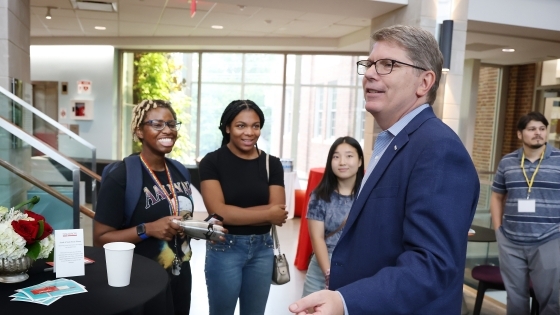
(404, 245)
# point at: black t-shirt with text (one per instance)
(152, 205)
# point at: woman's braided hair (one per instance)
(139, 113)
(232, 110)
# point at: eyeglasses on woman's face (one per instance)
(382, 66)
(158, 124)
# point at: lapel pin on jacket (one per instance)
(395, 147)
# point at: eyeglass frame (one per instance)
(165, 124)
(374, 63)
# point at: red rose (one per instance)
(34, 215)
(47, 230)
(26, 229)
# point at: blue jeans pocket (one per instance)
(269, 242)
(222, 246)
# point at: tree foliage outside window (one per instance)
(157, 76)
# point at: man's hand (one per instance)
(324, 302)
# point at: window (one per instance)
(322, 100)
(332, 101)
(318, 121)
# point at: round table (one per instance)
(304, 248)
(147, 293)
(482, 234)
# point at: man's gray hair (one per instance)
(421, 47)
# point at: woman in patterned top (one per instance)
(329, 205)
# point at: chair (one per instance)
(489, 277)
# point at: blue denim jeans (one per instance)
(240, 267)
(314, 279)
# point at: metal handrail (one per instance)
(53, 192)
(67, 131)
(56, 156)
(53, 122)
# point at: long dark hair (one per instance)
(232, 110)
(329, 182)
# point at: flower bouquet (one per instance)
(24, 237)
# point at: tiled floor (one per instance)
(280, 297)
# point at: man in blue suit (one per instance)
(404, 245)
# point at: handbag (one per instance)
(280, 268)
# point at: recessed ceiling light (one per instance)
(508, 50)
(101, 28)
(217, 27)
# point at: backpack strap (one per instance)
(133, 188)
(108, 169)
(181, 168)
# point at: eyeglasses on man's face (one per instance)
(158, 124)
(382, 66)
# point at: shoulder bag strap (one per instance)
(274, 233)
(337, 229)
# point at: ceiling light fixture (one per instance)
(508, 50)
(217, 27)
(241, 7)
(48, 16)
(101, 28)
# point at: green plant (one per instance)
(157, 76)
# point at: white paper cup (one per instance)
(118, 258)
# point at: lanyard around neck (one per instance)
(175, 203)
(530, 183)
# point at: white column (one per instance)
(14, 41)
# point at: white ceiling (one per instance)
(247, 24)
(264, 25)
(486, 40)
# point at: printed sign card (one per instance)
(69, 253)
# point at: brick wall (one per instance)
(485, 113)
(521, 87)
(519, 102)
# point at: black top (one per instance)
(152, 206)
(244, 182)
(147, 293)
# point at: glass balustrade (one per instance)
(51, 176)
(57, 136)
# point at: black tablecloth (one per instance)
(148, 292)
(482, 234)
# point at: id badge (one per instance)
(526, 205)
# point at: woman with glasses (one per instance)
(245, 186)
(165, 195)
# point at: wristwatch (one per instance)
(141, 231)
